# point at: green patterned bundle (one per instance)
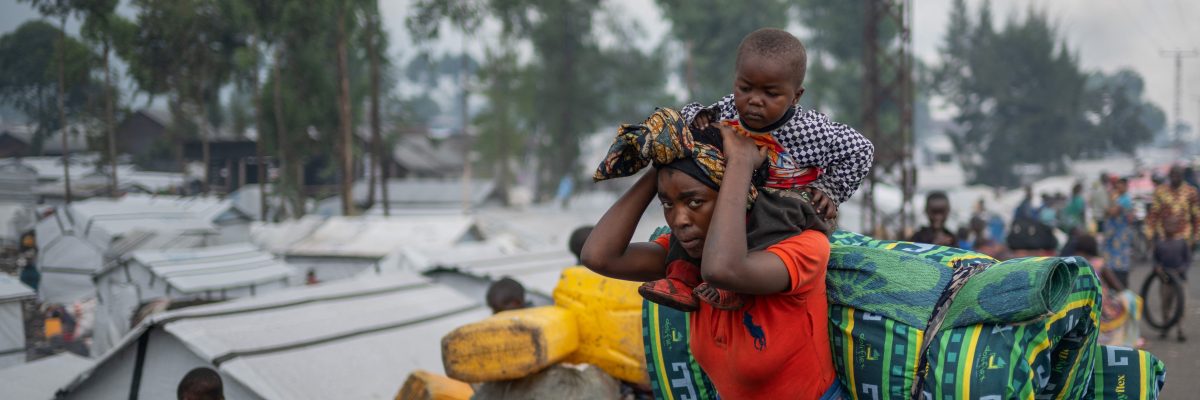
(1015, 291)
(674, 374)
(1040, 345)
(1125, 373)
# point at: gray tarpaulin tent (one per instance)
(538, 270)
(340, 247)
(79, 239)
(208, 273)
(39, 380)
(12, 320)
(353, 339)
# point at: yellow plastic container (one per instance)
(609, 314)
(425, 385)
(510, 345)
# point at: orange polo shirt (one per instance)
(777, 346)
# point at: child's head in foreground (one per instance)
(201, 384)
(768, 76)
(505, 294)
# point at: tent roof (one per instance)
(103, 220)
(209, 268)
(431, 192)
(17, 181)
(354, 338)
(376, 236)
(539, 270)
(16, 218)
(11, 289)
(41, 379)
(279, 237)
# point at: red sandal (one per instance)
(676, 290)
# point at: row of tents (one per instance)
(387, 289)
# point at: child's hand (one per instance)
(703, 119)
(741, 149)
(825, 206)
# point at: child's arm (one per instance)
(608, 252)
(726, 263)
(845, 156)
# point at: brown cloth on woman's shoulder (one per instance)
(779, 214)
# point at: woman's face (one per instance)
(688, 207)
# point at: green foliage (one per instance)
(1121, 119)
(572, 85)
(501, 131)
(710, 31)
(1022, 99)
(29, 75)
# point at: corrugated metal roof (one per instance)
(355, 338)
(376, 237)
(115, 227)
(12, 290)
(537, 270)
(405, 193)
(41, 379)
(279, 237)
(211, 268)
(17, 181)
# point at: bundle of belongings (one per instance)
(919, 321)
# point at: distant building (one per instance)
(14, 144)
(140, 133)
(18, 141)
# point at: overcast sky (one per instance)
(1106, 34)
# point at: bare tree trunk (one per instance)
(344, 114)
(280, 131)
(205, 149)
(62, 107)
(376, 135)
(689, 70)
(175, 138)
(259, 150)
(110, 116)
(298, 201)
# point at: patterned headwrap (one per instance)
(664, 140)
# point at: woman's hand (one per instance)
(740, 150)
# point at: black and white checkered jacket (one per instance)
(843, 155)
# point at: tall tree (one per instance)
(186, 49)
(60, 9)
(343, 105)
(501, 129)
(306, 86)
(1004, 111)
(29, 60)
(376, 49)
(1123, 119)
(102, 25)
(254, 17)
(581, 84)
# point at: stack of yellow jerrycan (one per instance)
(595, 320)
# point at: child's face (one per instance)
(763, 90)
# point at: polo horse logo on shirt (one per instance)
(760, 337)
